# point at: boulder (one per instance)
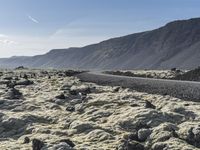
(68, 141)
(143, 134)
(70, 108)
(26, 140)
(62, 146)
(37, 144)
(130, 145)
(13, 94)
(24, 82)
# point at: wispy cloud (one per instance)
(6, 41)
(32, 19)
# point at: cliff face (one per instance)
(177, 44)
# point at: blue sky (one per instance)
(29, 27)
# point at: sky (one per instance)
(32, 27)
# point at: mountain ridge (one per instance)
(177, 44)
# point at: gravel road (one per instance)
(187, 90)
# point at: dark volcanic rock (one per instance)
(26, 140)
(193, 137)
(61, 96)
(149, 105)
(193, 75)
(37, 144)
(20, 68)
(24, 82)
(143, 134)
(68, 141)
(70, 108)
(13, 94)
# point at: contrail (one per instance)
(33, 19)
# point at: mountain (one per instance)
(177, 44)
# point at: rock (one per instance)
(70, 108)
(13, 124)
(59, 101)
(13, 94)
(75, 101)
(98, 135)
(79, 108)
(55, 107)
(163, 133)
(82, 95)
(68, 141)
(70, 73)
(193, 136)
(37, 144)
(160, 146)
(10, 85)
(62, 146)
(80, 89)
(149, 105)
(8, 78)
(143, 134)
(2, 102)
(133, 145)
(61, 96)
(20, 68)
(1, 115)
(81, 126)
(24, 82)
(26, 140)
(66, 87)
(116, 89)
(25, 77)
(73, 92)
(133, 136)
(130, 145)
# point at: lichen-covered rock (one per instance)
(191, 133)
(62, 146)
(143, 134)
(98, 135)
(82, 126)
(130, 145)
(92, 116)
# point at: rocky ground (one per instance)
(192, 75)
(157, 74)
(56, 111)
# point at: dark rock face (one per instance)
(176, 45)
(37, 144)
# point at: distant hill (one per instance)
(177, 44)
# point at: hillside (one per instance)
(177, 44)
